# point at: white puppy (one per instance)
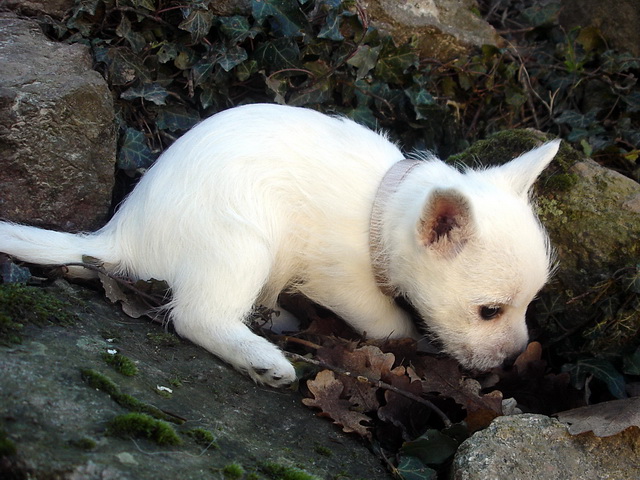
(263, 198)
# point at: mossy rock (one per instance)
(22, 304)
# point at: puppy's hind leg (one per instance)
(210, 306)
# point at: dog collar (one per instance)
(379, 258)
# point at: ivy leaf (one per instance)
(201, 71)
(601, 369)
(284, 16)
(331, 29)
(631, 363)
(411, 468)
(166, 52)
(364, 60)
(176, 118)
(419, 98)
(198, 23)
(152, 92)
(279, 54)
(395, 61)
(237, 28)
(233, 57)
(135, 39)
(134, 152)
(126, 67)
(146, 4)
(432, 448)
(246, 69)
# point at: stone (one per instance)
(444, 29)
(53, 8)
(620, 26)
(529, 446)
(58, 423)
(57, 131)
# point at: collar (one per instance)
(379, 258)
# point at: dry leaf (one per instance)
(442, 376)
(399, 409)
(603, 419)
(327, 391)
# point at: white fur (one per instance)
(261, 198)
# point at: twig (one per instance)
(377, 383)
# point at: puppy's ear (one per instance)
(520, 174)
(446, 222)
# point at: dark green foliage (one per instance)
(21, 304)
(173, 63)
(145, 426)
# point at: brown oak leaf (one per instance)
(327, 391)
(398, 409)
(443, 376)
(367, 361)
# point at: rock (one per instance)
(57, 131)
(445, 29)
(534, 446)
(595, 224)
(620, 26)
(53, 8)
(57, 423)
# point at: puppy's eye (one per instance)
(489, 312)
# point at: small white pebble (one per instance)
(112, 351)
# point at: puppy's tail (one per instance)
(47, 247)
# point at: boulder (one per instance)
(62, 392)
(444, 29)
(57, 131)
(53, 8)
(535, 446)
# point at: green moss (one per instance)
(101, 382)
(561, 182)
(499, 148)
(121, 364)
(202, 437)
(21, 304)
(144, 426)
(163, 339)
(233, 471)
(85, 443)
(323, 451)
(7, 447)
(282, 472)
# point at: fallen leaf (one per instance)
(443, 376)
(603, 419)
(398, 409)
(327, 391)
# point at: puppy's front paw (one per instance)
(277, 372)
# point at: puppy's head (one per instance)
(479, 258)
